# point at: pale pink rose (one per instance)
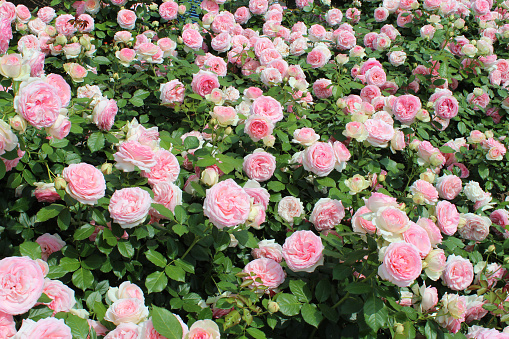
(334, 16)
(360, 224)
(433, 231)
(318, 57)
(475, 311)
(424, 190)
(129, 206)
(370, 92)
(104, 114)
(46, 14)
(446, 107)
(435, 264)
(418, 237)
(210, 6)
(447, 217)
(172, 92)
(221, 42)
(305, 136)
(259, 194)
(62, 87)
(298, 47)
(316, 33)
(204, 82)
(223, 22)
(401, 264)
(380, 133)
(242, 15)
(268, 107)
(381, 14)
(268, 271)
(322, 88)
(123, 36)
(99, 328)
(342, 155)
(75, 71)
(345, 40)
(131, 154)
(7, 325)
(290, 207)
(258, 127)
(63, 296)
(453, 312)
(225, 115)
(47, 328)
(258, 7)
(148, 331)
(126, 56)
(166, 169)
(271, 76)
(268, 249)
(38, 103)
(405, 108)
(303, 251)
(226, 204)
(216, 65)
(63, 25)
(126, 19)
(126, 290)
(125, 331)
(356, 130)
(85, 183)
(476, 228)
(203, 329)
(46, 192)
(303, 3)
(379, 200)
(90, 25)
(381, 42)
(259, 166)
(60, 129)
(319, 159)
(375, 76)
(167, 194)
(391, 220)
(398, 141)
(10, 164)
(129, 310)
(327, 213)
(448, 186)
(27, 277)
(458, 273)
(168, 10)
(429, 298)
(500, 217)
(49, 244)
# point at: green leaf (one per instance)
(64, 219)
(101, 60)
(163, 210)
(180, 214)
(191, 142)
(84, 232)
(311, 314)
(328, 182)
(156, 282)
(358, 288)
(175, 273)
(288, 304)
(323, 290)
(375, 313)
(300, 290)
(462, 127)
(44, 299)
(430, 330)
(95, 142)
(275, 186)
(30, 249)
(69, 264)
(82, 279)
(125, 248)
(109, 237)
(484, 171)
(49, 212)
(166, 324)
(79, 327)
(40, 312)
(3, 169)
(156, 258)
(447, 149)
(256, 333)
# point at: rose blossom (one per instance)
(130, 310)
(45, 192)
(303, 251)
(500, 217)
(104, 114)
(319, 56)
(474, 308)
(268, 107)
(446, 107)
(21, 284)
(448, 186)
(85, 183)
(418, 237)
(405, 108)
(391, 221)
(46, 14)
(7, 325)
(126, 19)
(305, 136)
(334, 16)
(203, 329)
(226, 204)
(458, 273)
(168, 10)
(129, 206)
(424, 190)
(447, 217)
(77, 72)
(380, 133)
(327, 213)
(63, 296)
(290, 207)
(46, 328)
(319, 159)
(132, 153)
(63, 25)
(125, 290)
(433, 231)
(49, 244)
(166, 169)
(258, 127)
(378, 201)
(322, 88)
(476, 228)
(259, 165)
(204, 82)
(167, 194)
(401, 264)
(124, 331)
(268, 249)
(225, 115)
(242, 15)
(268, 271)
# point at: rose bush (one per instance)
(334, 170)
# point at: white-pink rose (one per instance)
(327, 213)
(129, 206)
(401, 264)
(303, 251)
(268, 271)
(126, 19)
(260, 165)
(85, 183)
(458, 273)
(319, 159)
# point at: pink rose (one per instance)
(168, 10)
(303, 251)
(226, 204)
(85, 183)
(38, 103)
(167, 194)
(99, 328)
(418, 237)
(500, 217)
(129, 206)
(334, 16)
(422, 189)
(447, 217)
(104, 114)
(131, 154)
(128, 310)
(259, 194)
(346, 40)
(60, 129)
(327, 213)
(379, 200)
(429, 298)
(172, 92)
(446, 107)
(318, 57)
(46, 14)
(260, 165)
(7, 325)
(290, 207)
(305, 136)
(223, 22)
(405, 108)
(268, 107)
(166, 169)
(476, 228)
(124, 331)
(63, 296)
(268, 249)
(62, 87)
(49, 244)
(448, 186)
(401, 264)
(258, 7)
(46, 192)
(242, 15)
(44, 329)
(360, 224)
(391, 220)
(258, 127)
(433, 231)
(126, 19)
(458, 273)
(268, 271)
(126, 56)
(192, 38)
(225, 115)
(381, 14)
(319, 159)
(322, 88)
(203, 329)
(63, 25)
(216, 65)
(21, 284)
(204, 82)
(376, 76)
(380, 133)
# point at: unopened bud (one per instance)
(418, 199)
(478, 91)
(18, 123)
(228, 131)
(489, 134)
(182, 9)
(209, 176)
(341, 103)
(459, 23)
(400, 329)
(107, 168)
(74, 39)
(60, 183)
(60, 40)
(381, 177)
(269, 141)
(155, 23)
(462, 222)
(180, 40)
(116, 76)
(491, 248)
(273, 306)
(153, 7)
(436, 159)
